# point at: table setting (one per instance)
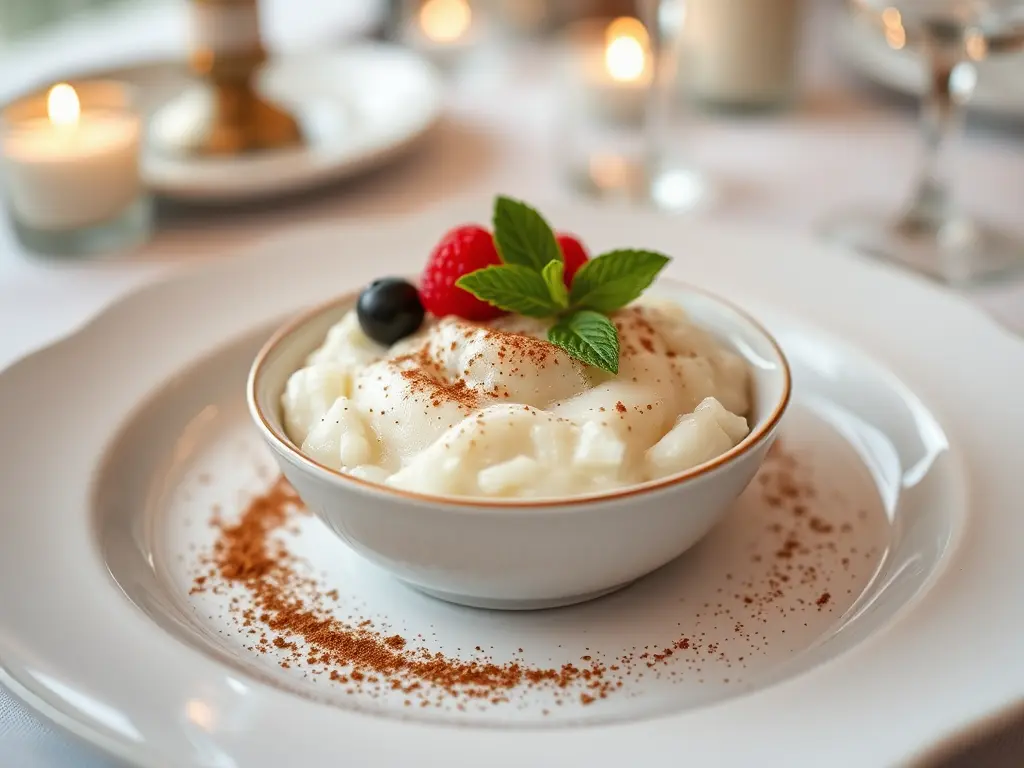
(541, 383)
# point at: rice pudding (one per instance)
(492, 409)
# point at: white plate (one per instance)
(362, 105)
(1000, 86)
(126, 435)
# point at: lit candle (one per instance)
(444, 29)
(445, 21)
(71, 163)
(617, 71)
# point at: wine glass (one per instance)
(932, 234)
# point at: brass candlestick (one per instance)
(224, 114)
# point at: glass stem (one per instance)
(941, 123)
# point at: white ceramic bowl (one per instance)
(523, 554)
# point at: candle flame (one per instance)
(62, 105)
(625, 54)
(444, 21)
(895, 34)
(627, 26)
(975, 45)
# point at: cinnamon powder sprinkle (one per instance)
(246, 555)
(523, 347)
(287, 613)
(426, 376)
(426, 369)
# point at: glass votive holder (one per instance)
(616, 137)
(447, 32)
(71, 159)
(605, 85)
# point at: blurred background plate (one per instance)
(155, 81)
(1000, 88)
(42, 41)
(362, 104)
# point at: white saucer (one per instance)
(1000, 86)
(361, 106)
(896, 611)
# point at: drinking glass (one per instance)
(932, 234)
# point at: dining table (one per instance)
(842, 142)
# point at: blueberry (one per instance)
(389, 309)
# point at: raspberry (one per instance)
(573, 253)
(462, 250)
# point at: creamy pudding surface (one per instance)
(492, 409)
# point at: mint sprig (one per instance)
(614, 279)
(588, 336)
(512, 287)
(554, 276)
(530, 281)
(522, 236)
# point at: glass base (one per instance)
(620, 178)
(128, 230)
(956, 252)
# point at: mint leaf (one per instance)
(612, 280)
(522, 235)
(554, 276)
(590, 337)
(511, 287)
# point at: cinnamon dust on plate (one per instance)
(246, 554)
(288, 613)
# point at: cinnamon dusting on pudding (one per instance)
(426, 375)
(429, 373)
(631, 322)
(523, 348)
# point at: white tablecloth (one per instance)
(844, 145)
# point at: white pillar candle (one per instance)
(69, 162)
(741, 52)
